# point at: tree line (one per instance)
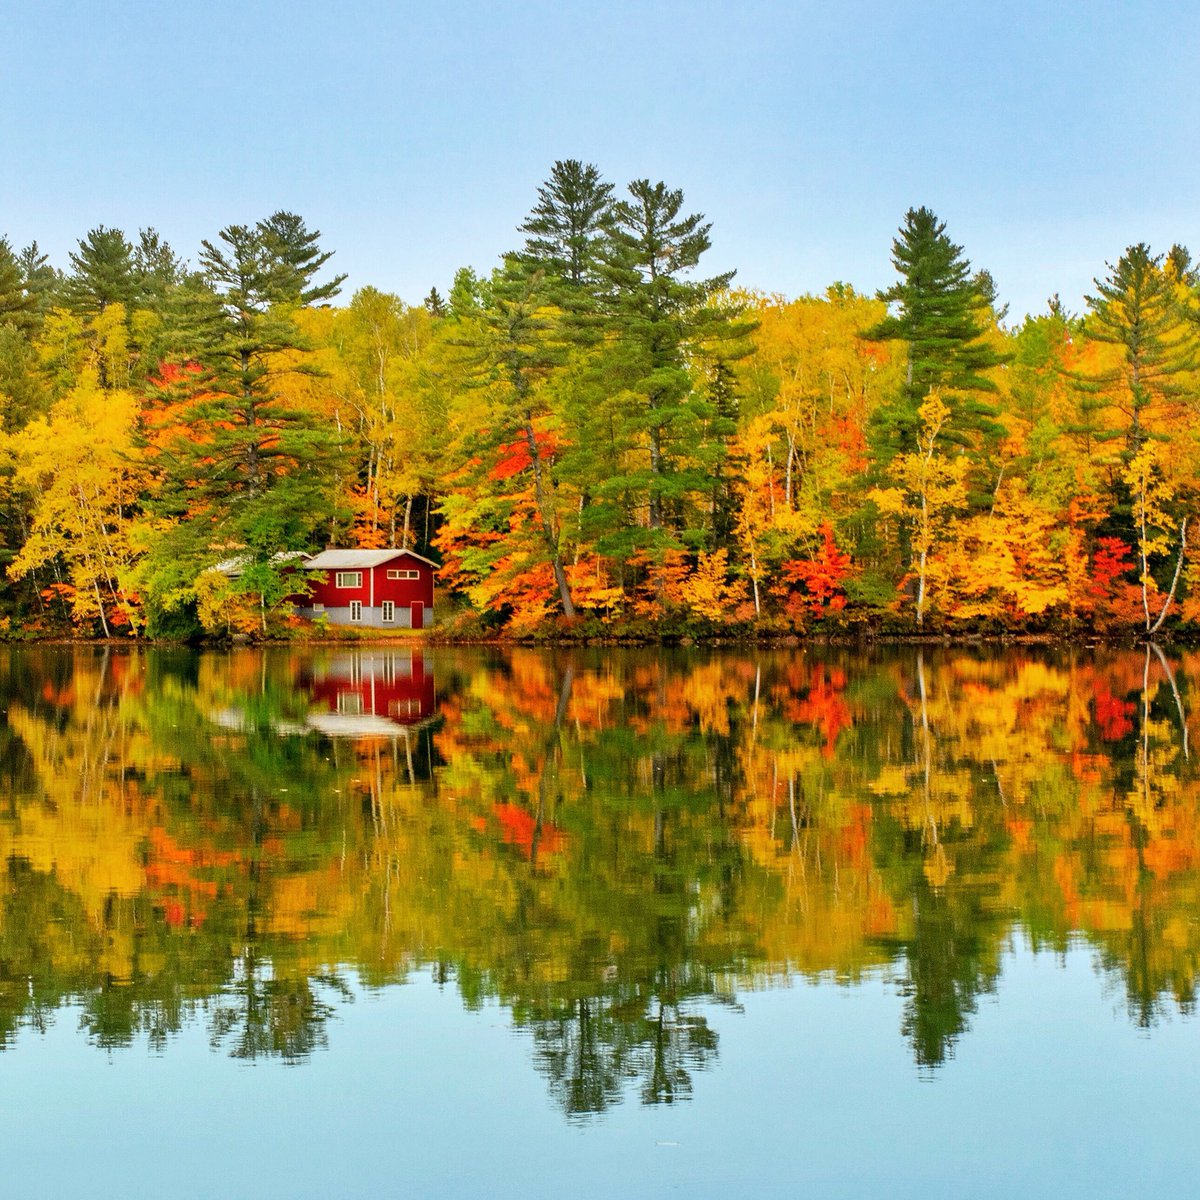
(598, 436)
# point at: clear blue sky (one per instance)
(1048, 135)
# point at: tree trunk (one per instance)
(100, 606)
(546, 519)
(921, 592)
(1162, 616)
(1145, 573)
(655, 500)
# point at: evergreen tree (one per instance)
(435, 304)
(249, 470)
(1137, 308)
(103, 273)
(17, 305)
(291, 259)
(937, 314)
(722, 425)
(566, 227)
(660, 321)
(1179, 263)
(466, 294)
(42, 281)
(525, 347)
(985, 287)
(157, 268)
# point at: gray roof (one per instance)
(233, 567)
(341, 560)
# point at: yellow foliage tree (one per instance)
(79, 469)
(929, 489)
(1153, 492)
(709, 592)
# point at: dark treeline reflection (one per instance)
(604, 843)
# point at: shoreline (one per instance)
(780, 641)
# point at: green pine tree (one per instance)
(252, 472)
(103, 273)
(565, 230)
(157, 269)
(660, 324)
(1136, 307)
(516, 344)
(466, 294)
(18, 307)
(938, 315)
(42, 281)
(435, 303)
(291, 259)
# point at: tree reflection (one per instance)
(611, 844)
(593, 1051)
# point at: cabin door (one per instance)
(418, 615)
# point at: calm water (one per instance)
(625, 923)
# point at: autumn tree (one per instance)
(811, 386)
(79, 469)
(928, 487)
(383, 355)
(1154, 494)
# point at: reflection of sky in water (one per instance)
(1053, 1094)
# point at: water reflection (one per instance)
(606, 843)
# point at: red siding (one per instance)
(403, 693)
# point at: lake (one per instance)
(449, 922)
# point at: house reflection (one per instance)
(382, 693)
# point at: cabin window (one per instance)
(389, 610)
(348, 579)
(404, 574)
(350, 704)
(356, 610)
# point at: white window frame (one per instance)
(350, 704)
(398, 574)
(389, 612)
(348, 579)
(355, 611)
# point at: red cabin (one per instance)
(383, 589)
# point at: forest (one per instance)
(602, 436)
